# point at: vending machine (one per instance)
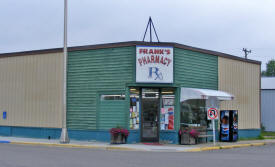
(228, 125)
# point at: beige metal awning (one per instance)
(193, 93)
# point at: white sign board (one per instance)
(154, 64)
(212, 113)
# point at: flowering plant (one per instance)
(116, 131)
(194, 133)
(124, 132)
(182, 131)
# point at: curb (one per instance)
(76, 146)
(210, 148)
(223, 147)
(57, 145)
(198, 149)
(258, 144)
(122, 148)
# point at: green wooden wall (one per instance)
(195, 70)
(95, 72)
(91, 72)
(112, 114)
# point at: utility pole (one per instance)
(246, 52)
(64, 138)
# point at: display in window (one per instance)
(167, 111)
(171, 118)
(194, 114)
(134, 113)
(168, 102)
(167, 118)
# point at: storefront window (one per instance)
(193, 113)
(167, 109)
(134, 108)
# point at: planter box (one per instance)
(187, 139)
(118, 139)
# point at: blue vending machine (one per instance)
(228, 125)
(234, 125)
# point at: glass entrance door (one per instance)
(150, 115)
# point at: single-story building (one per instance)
(268, 103)
(135, 85)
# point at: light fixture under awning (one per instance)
(193, 93)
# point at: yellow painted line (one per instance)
(226, 147)
(35, 143)
(223, 147)
(210, 148)
(59, 145)
(245, 145)
(77, 146)
(242, 145)
(237, 146)
(257, 144)
(122, 148)
(192, 150)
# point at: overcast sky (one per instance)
(220, 25)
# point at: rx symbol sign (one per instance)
(212, 113)
(155, 73)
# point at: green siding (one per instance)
(93, 71)
(111, 114)
(195, 70)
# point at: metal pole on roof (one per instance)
(145, 31)
(150, 24)
(64, 138)
(155, 30)
(150, 20)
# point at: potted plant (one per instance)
(124, 135)
(194, 134)
(188, 135)
(119, 135)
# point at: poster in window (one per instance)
(171, 117)
(134, 114)
(167, 118)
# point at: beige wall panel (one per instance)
(241, 79)
(31, 90)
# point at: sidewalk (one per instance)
(136, 147)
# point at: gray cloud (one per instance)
(220, 25)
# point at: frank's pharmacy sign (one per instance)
(154, 64)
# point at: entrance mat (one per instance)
(154, 144)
